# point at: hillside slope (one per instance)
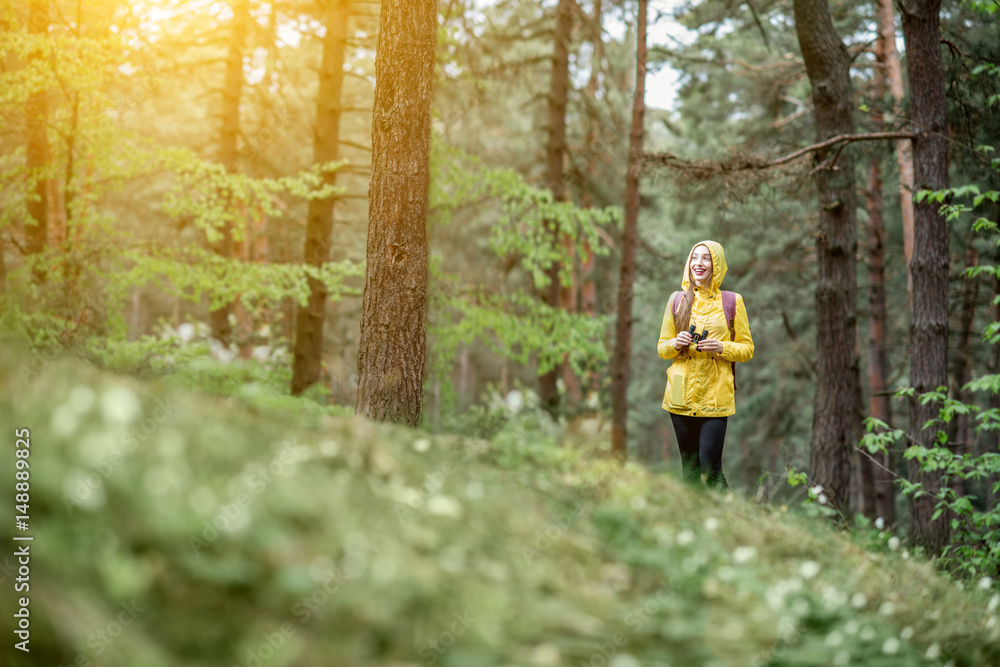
(178, 529)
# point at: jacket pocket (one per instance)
(675, 387)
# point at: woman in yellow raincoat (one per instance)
(701, 384)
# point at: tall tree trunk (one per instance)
(626, 280)
(587, 303)
(392, 349)
(904, 149)
(929, 318)
(229, 129)
(319, 225)
(879, 496)
(960, 435)
(554, 167)
(36, 233)
(836, 415)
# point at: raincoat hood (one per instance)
(719, 267)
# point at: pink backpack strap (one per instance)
(675, 302)
(729, 308)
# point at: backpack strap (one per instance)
(729, 308)
(675, 302)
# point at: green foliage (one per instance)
(225, 523)
(974, 549)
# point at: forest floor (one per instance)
(174, 527)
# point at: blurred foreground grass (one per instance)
(173, 528)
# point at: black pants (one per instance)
(700, 440)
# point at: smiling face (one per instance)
(701, 264)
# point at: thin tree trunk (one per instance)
(626, 280)
(879, 496)
(392, 349)
(836, 415)
(929, 319)
(554, 167)
(319, 225)
(904, 149)
(36, 233)
(229, 130)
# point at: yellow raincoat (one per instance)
(701, 383)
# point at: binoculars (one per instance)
(695, 337)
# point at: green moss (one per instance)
(248, 533)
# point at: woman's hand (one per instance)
(710, 345)
(682, 341)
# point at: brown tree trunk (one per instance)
(626, 280)
(960, 437)
(877, 481)
(36, 233)
(904, 149)
(554, 167)
(836, 415)
(587, 303)
(319, 224)
(229, 129)
(392, 348)
(929, 318)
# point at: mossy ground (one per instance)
(174, 528)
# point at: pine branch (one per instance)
(755, 163)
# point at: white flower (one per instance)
(822, 499)
(685, 537)
(933, 651)
(711, 524)
(421, 445)
(834, 639)
(809, 569)
(120, 406)
(893, 542)
(880, 523)
(984, 583)
(907, 633)
(444, 506)
(859, 600)
(887, 608)
(743, 554)
(994, 603)
(816, 490)
(890, 646)
(638, 503)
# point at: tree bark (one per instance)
(229, 129)
(554, 167)
(904, 149)
(929, 266)
(877, 481)
(319, 225)
(37, 151)
(392, 348)
(587, 301)
(626, 280)
(836, 415)
(961, 434)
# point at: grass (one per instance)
(173, 527)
